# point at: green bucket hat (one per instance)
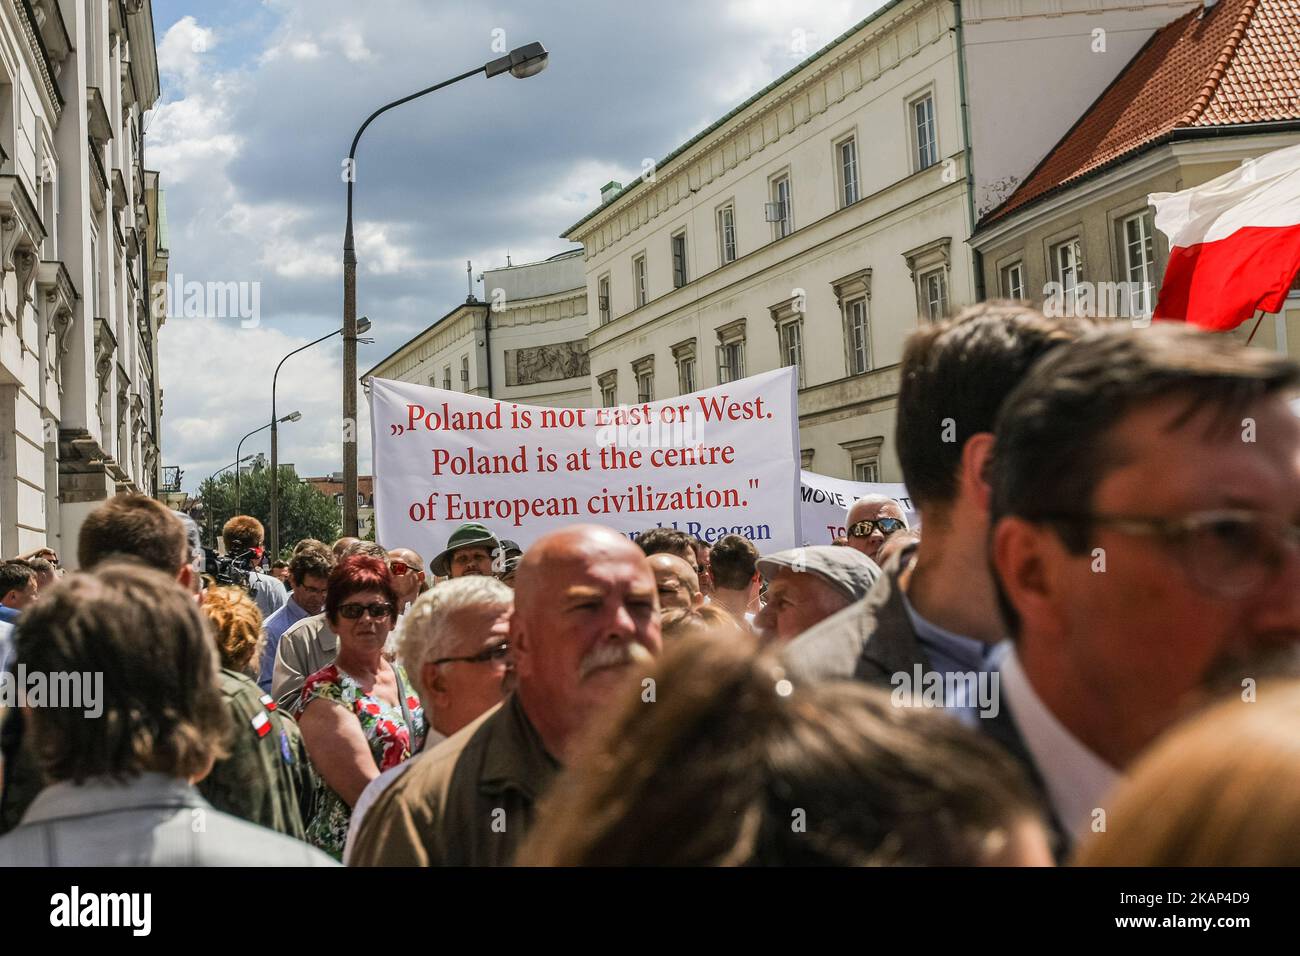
(463, 537)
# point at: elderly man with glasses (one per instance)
(871, 520)
(455, 649)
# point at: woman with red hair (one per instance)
(359, 716)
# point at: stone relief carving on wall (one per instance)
(547, 363)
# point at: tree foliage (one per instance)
(304, 511)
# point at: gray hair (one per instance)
(425, 636)
(879, 500)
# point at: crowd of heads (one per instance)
(1112, 510)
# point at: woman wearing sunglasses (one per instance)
(359, 715)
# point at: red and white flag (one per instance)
(1234, 243)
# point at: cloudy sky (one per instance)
(260, 100)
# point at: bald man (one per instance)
(585, 624)
(408, 576)
(679, 585)
(872, 519)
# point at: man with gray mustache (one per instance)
(586, 617)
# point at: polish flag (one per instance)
(1234, 243)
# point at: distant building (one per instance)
(83, 246)
(332, 487)
(526, 342)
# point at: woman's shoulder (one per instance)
(327, 683)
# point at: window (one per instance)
(934, 294)
(94, 276)
(608, 385)
(1013, 281)
(644, 372)
(727, 234)
(464, 373)
(847, 152)
(602, 299)
(791, 334)
(1139, 262)
(1067, 270)
(925, 144)
(638, 281)
(446, 377)
(684, 355)
(779, 211)
(731, 352)
(866, 470)
(859, 337)
(679, 259)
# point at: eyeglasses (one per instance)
(354, 611)
(887, 526)
(1230, 553)
(401, 567)
(497, 652)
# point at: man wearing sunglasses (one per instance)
(1146, 546)
(871, 520)
(408, 576)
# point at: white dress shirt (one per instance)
(1076, 778)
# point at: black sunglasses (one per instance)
(887, 526)
(496, 652)
(354, 611)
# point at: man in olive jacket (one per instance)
(585, 621)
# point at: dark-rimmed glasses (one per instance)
(497, 652)
(354, 611)
(887, 526)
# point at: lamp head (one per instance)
(521, 62)
(363, 325)
(292, 417)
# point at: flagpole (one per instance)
(1256, 328)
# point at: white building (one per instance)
(821, 220)
(79, 403)
(526, 343)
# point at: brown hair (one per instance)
(242, 533)
(1227, 785)
(134, 526)
(311, 561)
(1051, 451)
(733, 561)
(954, 377)
(732, 765)
(667, 541)
(238, 624)
(162, 704)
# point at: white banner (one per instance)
(824, 504)
(718, 461)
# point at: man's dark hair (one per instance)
(162, 704)
(1052, 448)
(14, 576)
(242, 533)
(39, 565)
(734, 561)
(954, 378)
(311, 562)
(136, 526)
(667, 541)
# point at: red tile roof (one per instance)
(1238, 63)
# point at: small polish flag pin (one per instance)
(268, 701)
(262, 724)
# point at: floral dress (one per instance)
(390, 740)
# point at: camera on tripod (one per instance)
(236, 569)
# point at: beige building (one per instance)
(1212, 90)
(82, 243)
(524, 342)
(820, 221)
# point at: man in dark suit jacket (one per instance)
(935, 605)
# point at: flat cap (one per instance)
(847, 569)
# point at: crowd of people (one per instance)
(1087, 649)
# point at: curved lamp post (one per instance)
(522, 62)
(291, 417)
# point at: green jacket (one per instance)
(267, 779)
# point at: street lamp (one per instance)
(291, 417)
(522, 62)
(213, 477)
(362, 327)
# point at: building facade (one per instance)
(83, 243)
(817, 224)
(525, 342)
(1209, 92)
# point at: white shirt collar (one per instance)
(1075, 777)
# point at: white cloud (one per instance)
(183, 47)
